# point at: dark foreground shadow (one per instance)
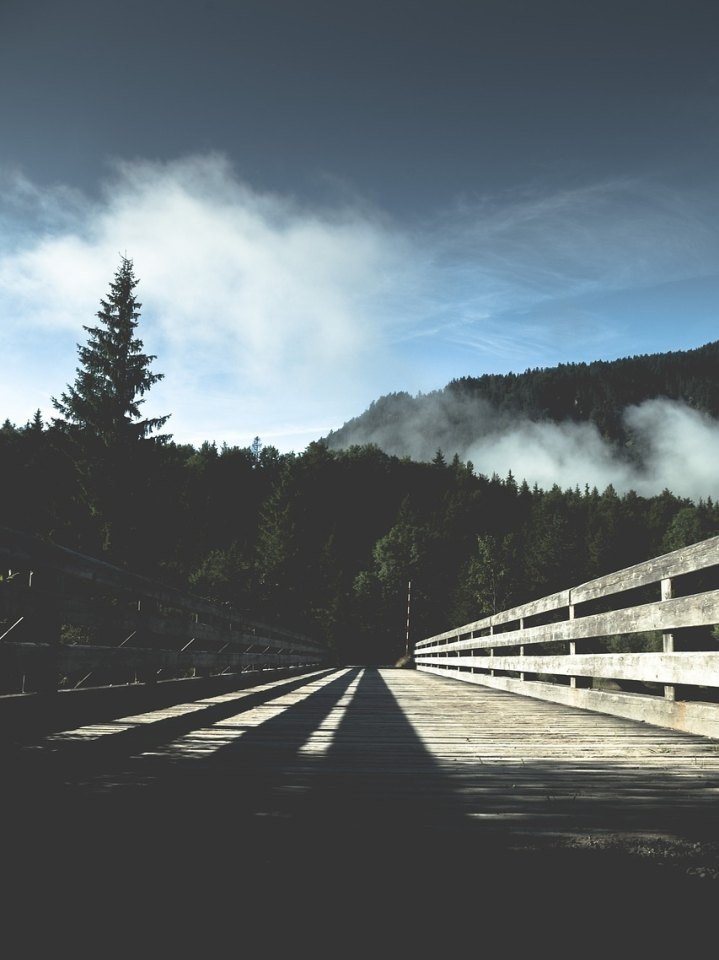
(353, 839)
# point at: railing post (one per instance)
(409, 601)
(491, 649)
(148, 671)
(194, 620)
(668, 639)
(521, 647)
(572, 645)
(42, 622)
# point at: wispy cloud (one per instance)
(524, 270)
(618, 233)
(275, 318)
(253, 303)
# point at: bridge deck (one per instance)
(387, 785)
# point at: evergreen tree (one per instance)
(486, 584)
(279, 561)
(115, 374)
(104, 434)
(36, 425)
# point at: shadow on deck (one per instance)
(327, 816)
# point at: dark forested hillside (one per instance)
(326, 541)
(599, 392)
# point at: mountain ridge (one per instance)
(599, 392)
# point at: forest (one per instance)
(597, 393)
(326, 541)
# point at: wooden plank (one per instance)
(693, 718)
(29, 657)
(16, 547)
(93, 732)
(450, 779)
(664, 615)
(383, 788)
(677, 668)
(698, 556)
(555, 601)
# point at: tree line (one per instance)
(597, 393)
(324, 541)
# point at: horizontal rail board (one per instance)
(509, 659)
(183, 631)
(701, 669)
(129, 622)
(665, 615)
(555, 601)
(16, 547)
(68, 659)
(698, 556)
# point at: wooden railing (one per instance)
(68, 620)
(641, 643)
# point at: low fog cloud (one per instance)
(672, 446)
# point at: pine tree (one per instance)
(115, 374)
(101, 428)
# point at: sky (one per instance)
(330, 200)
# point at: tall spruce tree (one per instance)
(105, 399)
(108, 441)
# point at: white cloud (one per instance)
(518, 266)
(547, 453)
(681, 449)
(252, 303)
(678, 450)
(672, 446)
(622, 233)
(272, 318)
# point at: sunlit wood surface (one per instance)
(378, 782)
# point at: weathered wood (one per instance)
(346, 751)
(698, 556)
(30, 657)
(16, 548)
(462, 654)
(676, 668)
(402, 806)
(686, 560)
(131, 623)
(667, 615)
(668, 638)
(693, 718)
(556, 601)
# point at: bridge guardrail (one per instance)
(66, 619)
(642, 643)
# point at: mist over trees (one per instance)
(597, 392)
(325, 541)
(640, 423)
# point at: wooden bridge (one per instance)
(401, 803)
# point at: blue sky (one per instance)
(329, 201)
